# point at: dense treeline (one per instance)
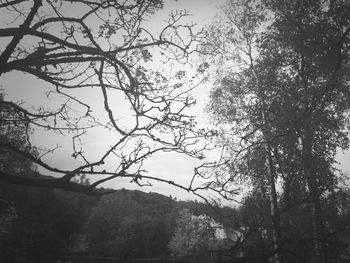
(38, 226)
(129, 224)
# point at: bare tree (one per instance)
(101, 61)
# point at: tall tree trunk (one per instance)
(321, 230)
(266, 131)
(275, 216)
(316, 249)
(319, 253)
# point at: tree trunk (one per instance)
(319, 253)
(275, 217)
(316, 249)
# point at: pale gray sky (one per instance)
(166, 165)
(176, 167)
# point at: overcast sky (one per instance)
(170, 165)
(176, 167)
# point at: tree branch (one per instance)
(19, 35)
(51, 182)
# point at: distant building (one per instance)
(226, 242)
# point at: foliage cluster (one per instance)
(191, 235)
(131, 224)
(281, 96)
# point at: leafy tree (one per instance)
(239, 99)
(191, 234)
(284, 95)
(255, 223)
(315, 50)
(84, 52)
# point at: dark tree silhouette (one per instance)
(100, 63)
